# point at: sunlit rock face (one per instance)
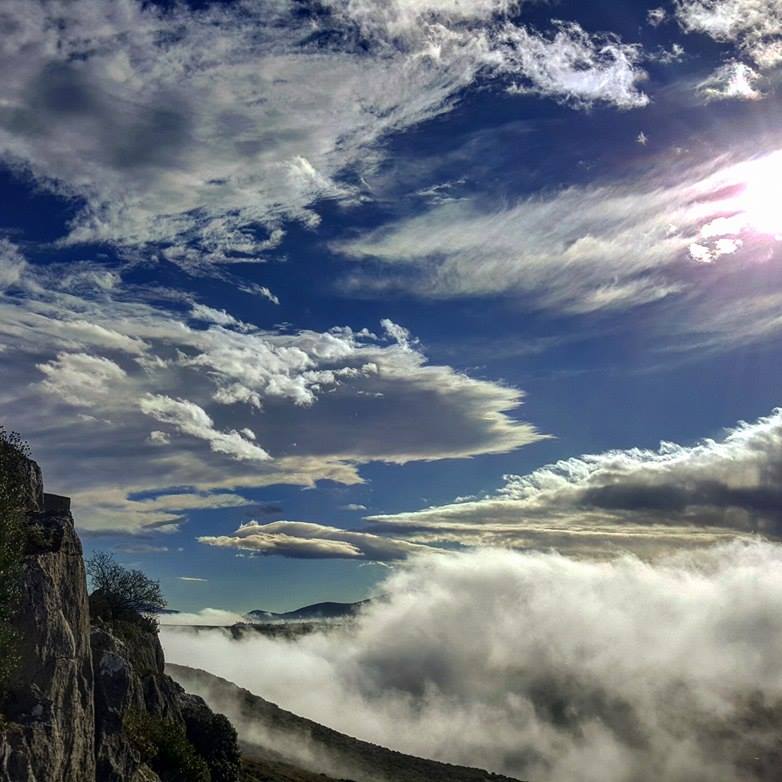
(50, 737)
(79, 682)
(129, 683)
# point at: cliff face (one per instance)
(50, 705)
(91, 702)
(119, 692)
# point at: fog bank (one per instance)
(545, 668)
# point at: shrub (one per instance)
(121, 593)
(216, 741)
(13, 459)
(165, 748)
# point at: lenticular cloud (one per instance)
(546, 668)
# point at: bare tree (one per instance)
(122, 590)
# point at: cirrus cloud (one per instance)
(204, 131)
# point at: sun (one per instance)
(761, 201)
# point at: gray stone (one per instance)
(77, 686)
(50, 737)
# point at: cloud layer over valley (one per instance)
(544, 667)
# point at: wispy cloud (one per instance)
(754, 26)
(205, 131)
(605, 246)
(732, 80)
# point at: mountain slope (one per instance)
(265, 728)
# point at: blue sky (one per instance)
(292, 291)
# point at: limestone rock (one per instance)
(50, 737)
(79, 685)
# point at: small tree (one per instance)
(13, 462)
(215, 740)
(120, 591)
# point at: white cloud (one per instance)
(206, 130)
(732, 80)
(193, 579)
(579, 250)
(206, 617)
(354, 506)
(754, 26)
(656, 16)
(725, 323)
(81, 379)
(536, 666)
(635, 499)
(574, 65)
(225, 399)
(193, 420)
(111, 509)
(212, 315)
(140, 548)
(306, 540)
(12, 264)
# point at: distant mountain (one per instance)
(327, 610)
(259, 615)
(273, 739)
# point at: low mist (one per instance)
(543, 667)
(207, 617)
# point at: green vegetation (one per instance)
(165, 748)
(121, 595)
(216, 740)
(13, 460)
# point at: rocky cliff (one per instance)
(50, 732)
(89, 701)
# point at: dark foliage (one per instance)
(165, 748)
(121, 593)
(128, 624)
(217, 743)
(13, 461)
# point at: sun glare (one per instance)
(761, 202)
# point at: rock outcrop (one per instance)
(49, 708)
(90, 701)
(119, 692)
(131, 688)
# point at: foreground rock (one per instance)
(91, 702)
(50, 731)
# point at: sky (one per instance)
(293, 291)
